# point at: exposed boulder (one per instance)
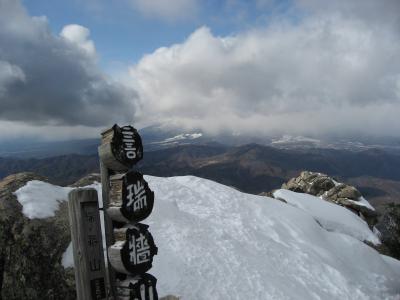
(389, 228)
(322, 185)
(311, 183)
(32, 249)
(343, 191)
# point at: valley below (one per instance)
(251, 168)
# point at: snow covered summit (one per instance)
(218, 243)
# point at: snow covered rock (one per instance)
(343, 191)
(311, 183)
(319, 184)
(218, 243)
(31, 249)
(332, 217)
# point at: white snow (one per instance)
(288, 139)
(218, 243)
(331, 216)
(68, 257)
(362, 202)
(181, 137)
(393, 263)
(41, 199)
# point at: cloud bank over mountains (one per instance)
(334, 68)
(333, 72)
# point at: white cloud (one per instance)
(327, 74)
(79, 36)
(383, 12)
(170, 10)
(11, 130)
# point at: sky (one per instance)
(69, 69)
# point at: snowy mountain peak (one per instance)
(288, 139)
(179, 139)
(218, 243)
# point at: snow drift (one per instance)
(218, 243)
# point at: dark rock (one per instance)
(389, 227)
(270, 194)
(311, 183)
(321, 184)
(343, 191)
(31, 249)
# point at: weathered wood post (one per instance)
(127, 200)
(90, 276)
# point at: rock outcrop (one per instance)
(32, 249)
(311, 183)
(323, 186)
(389, 228)
(87, 180)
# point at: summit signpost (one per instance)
(127, 200)
(131, 199)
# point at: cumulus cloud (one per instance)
(328, 73)
(49, 79)
(170, 10)
(79, 36)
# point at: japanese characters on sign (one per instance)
(129, 141)
(134, 249)
(137, 198)
(131, 199)
(140, 287)
(93, 240)
(127, 145)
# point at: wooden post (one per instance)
(87, 244)
(127, 199)
(108, 228)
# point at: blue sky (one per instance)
(123, 34)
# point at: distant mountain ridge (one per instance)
(63, 169)
(251, 168)
(162, 137)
